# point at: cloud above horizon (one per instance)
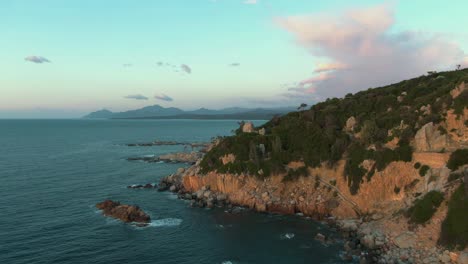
(164, 97)
(136, 97)
(360, 49)
(234, 64)
(36, 59)
(186, 68)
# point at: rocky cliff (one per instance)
(377, 157)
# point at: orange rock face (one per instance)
(324, 192)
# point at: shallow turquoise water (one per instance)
(53, 172)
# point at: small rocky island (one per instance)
(123, 212)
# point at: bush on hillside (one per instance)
(423, 170)
(458, 158)
(454, 232)
(423, 209)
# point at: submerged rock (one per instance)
(123, 212)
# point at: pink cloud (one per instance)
(332, 66)
(363, 42)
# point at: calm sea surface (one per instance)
(53, 172)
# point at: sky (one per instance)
(66, 58)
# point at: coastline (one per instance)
(370, 237)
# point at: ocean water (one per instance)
(53, 172)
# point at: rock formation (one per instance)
(123, 212)
(247, 127)
(429, 138)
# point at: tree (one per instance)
(302, 106)
(458, 66)
(369, 131)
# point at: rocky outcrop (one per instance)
(430, 139)
(229, 158)
(350, 124)
(168, 143)
(247, 127)
(456, 127)
(141, 186)
(458, 90)
(123, 212)
(188, 157)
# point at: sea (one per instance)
(53, 172)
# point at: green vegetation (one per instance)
(423, 209)
(296, 174)
(396, 189)
(458, 158)
(423, 170)
(317, 136)
(454, 231)
(417, 165)
(442, 130)
(460, 102)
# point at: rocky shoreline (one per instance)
(179, 157)
(202, 145)
(365, 241)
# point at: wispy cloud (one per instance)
(234, 64)
(136, 97)
(186, 68)
(127, 65)
(363, 50)
(164, 97)
(36, 59)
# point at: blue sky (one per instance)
(235, 53)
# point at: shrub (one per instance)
(423, 209)
(396, 189)
(458, 158)
(417, 165)
(442, 130)
(423, 170)
(296, 174)
(454, 232)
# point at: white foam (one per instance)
(165, 222)
(288, 236)
(227, 262)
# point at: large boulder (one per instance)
(248, 127)
(123, 212)
(405, 240)
(429, 138)
(350, 124)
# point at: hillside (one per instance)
(394, 157)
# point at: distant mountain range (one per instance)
(159, 112)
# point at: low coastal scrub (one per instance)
(454, 232)
(458, 158)
(417, 165)
(423, 170)
(423, 209)
(296, 174)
